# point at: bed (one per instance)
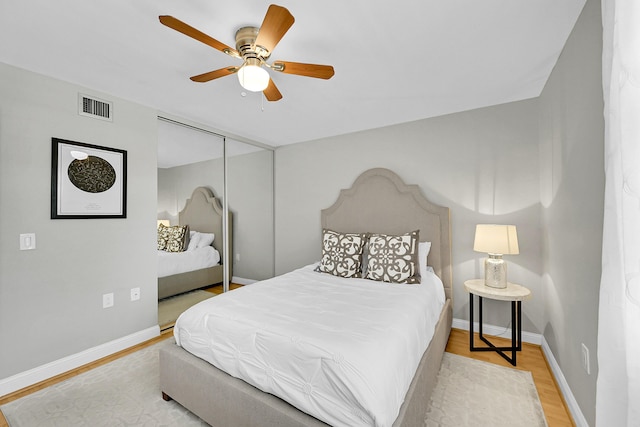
(202, 213)
(377, 202)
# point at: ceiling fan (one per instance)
(254, 47)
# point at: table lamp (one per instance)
(496, 240)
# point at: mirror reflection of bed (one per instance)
(190, 254)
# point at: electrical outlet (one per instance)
(135, 294)
(585, 359)
(107, 300)
(237, 257)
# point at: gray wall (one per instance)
(483, 164)
(572, 194)
(51, 297)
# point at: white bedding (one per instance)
(342, 350)
(170, 263)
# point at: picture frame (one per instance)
(87, 181)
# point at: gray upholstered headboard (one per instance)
(204, 213)
(380, 202)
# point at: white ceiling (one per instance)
(394, 61)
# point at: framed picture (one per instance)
(87, 181)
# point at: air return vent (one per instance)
(93, 107)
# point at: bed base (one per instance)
(222, 400)
(169, 286)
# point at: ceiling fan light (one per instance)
(253, 78)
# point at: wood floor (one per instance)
(217, 289)
(530, 359)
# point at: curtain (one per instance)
(618, 383)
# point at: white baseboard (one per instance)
(497, 331)
(242, 281)
(57, 367)
(574, 408)
(538, 339)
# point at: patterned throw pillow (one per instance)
(342, 253)
(163, 236)
(173, 239)
(393, 258)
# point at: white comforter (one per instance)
(342, 350)
(170, 263)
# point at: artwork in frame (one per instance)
(87, 181)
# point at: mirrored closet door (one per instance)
(190, 206)
(250, 195)
(222, 189)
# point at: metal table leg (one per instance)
(516, 331)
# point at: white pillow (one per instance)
(193, 242)
(423, 253)
(205, 239)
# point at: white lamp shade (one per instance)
(253, 78)
(496, 239)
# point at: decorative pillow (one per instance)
(173, 239)
(162, 237)
(394, 259)
(342, 253)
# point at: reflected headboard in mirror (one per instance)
(203, 212)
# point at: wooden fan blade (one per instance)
(188, 30)
(308, 70)
(271, 92)
(276, 23)
(211, 75)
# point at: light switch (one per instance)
(27, 241)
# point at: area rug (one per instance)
(126, 392)
(169, 309)
(475, 393)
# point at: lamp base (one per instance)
(495, 272)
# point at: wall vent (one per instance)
(93, 107)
